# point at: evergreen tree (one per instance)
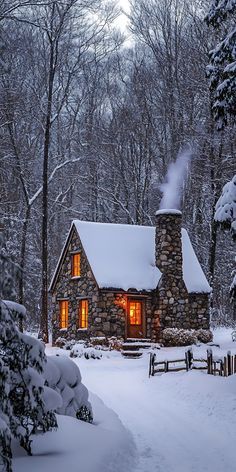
(225, 216)
(222, 67)
(23, 405)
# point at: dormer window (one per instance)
(75, 265)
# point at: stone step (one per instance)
(135, 346)
(132, 354)
(138, 340)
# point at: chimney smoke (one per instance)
(171, 189)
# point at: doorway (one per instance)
(135, 319)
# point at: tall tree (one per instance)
(222, 67)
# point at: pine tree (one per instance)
(23, 408)
(222, 67)
(225, 216)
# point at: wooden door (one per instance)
(135, 319)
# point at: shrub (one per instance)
(178, 337)
(204, 335)
(80, 350)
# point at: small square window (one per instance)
(75, 265)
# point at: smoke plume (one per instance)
(171, 189)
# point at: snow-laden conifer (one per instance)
(225, 216)
(222, 67)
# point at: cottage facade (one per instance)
(128, 281)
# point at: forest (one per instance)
(91, 117)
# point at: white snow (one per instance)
(13, 306)
(177, 422)
(181, 422)
(123, 257)
(226, 205)
(105, 446)
(168, 211)
(194, 277)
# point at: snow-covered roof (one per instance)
(123, 257)
(120, 256)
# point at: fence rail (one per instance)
(223, 367)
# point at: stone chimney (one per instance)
(169, 257)
(171, 295)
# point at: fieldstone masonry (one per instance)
(169, 305)
(175, 308)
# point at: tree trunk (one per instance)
(22, 262)
(43, 334)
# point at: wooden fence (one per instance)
(223, 367)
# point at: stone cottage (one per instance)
(128, 281)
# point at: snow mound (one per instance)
(63, 375)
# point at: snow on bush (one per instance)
(204, 335)
(23, 407)
(225, 213)
(83, 347)
(184, 337)
(79, 350)
(63, 375)
(178, 337)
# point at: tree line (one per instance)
(90, 121)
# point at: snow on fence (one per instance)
(223, 367)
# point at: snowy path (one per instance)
(183, 422)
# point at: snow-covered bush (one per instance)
(79, 350)
(5, 418)
(178, 337)
(101, 342)
(64, 343)
(185, 337)
(204, 335)
(63, 375)
(24, 410)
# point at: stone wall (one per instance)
(107, 309)
(172, 297)
(74, 289)
(174, 307)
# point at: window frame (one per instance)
(73, 255)
(83, 317)
(64, 317)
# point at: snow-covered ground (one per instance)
(180, 422)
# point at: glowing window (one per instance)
(75, 265)
(135, 312)
(83, 314)
(64, 313)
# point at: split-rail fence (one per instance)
(223, 367)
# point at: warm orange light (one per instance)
(120, 301)
(135, 312)
(75, 265)
(83, 314)
(64, 313)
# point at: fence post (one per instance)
(209, 361)
(186, 361)
(150, 364)
(225, 366)
(221, 367)
(229, 363)
(235, 364)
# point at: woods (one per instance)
(90, 121)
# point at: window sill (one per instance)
(82, 329)
(63, 329)
(76, 277)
